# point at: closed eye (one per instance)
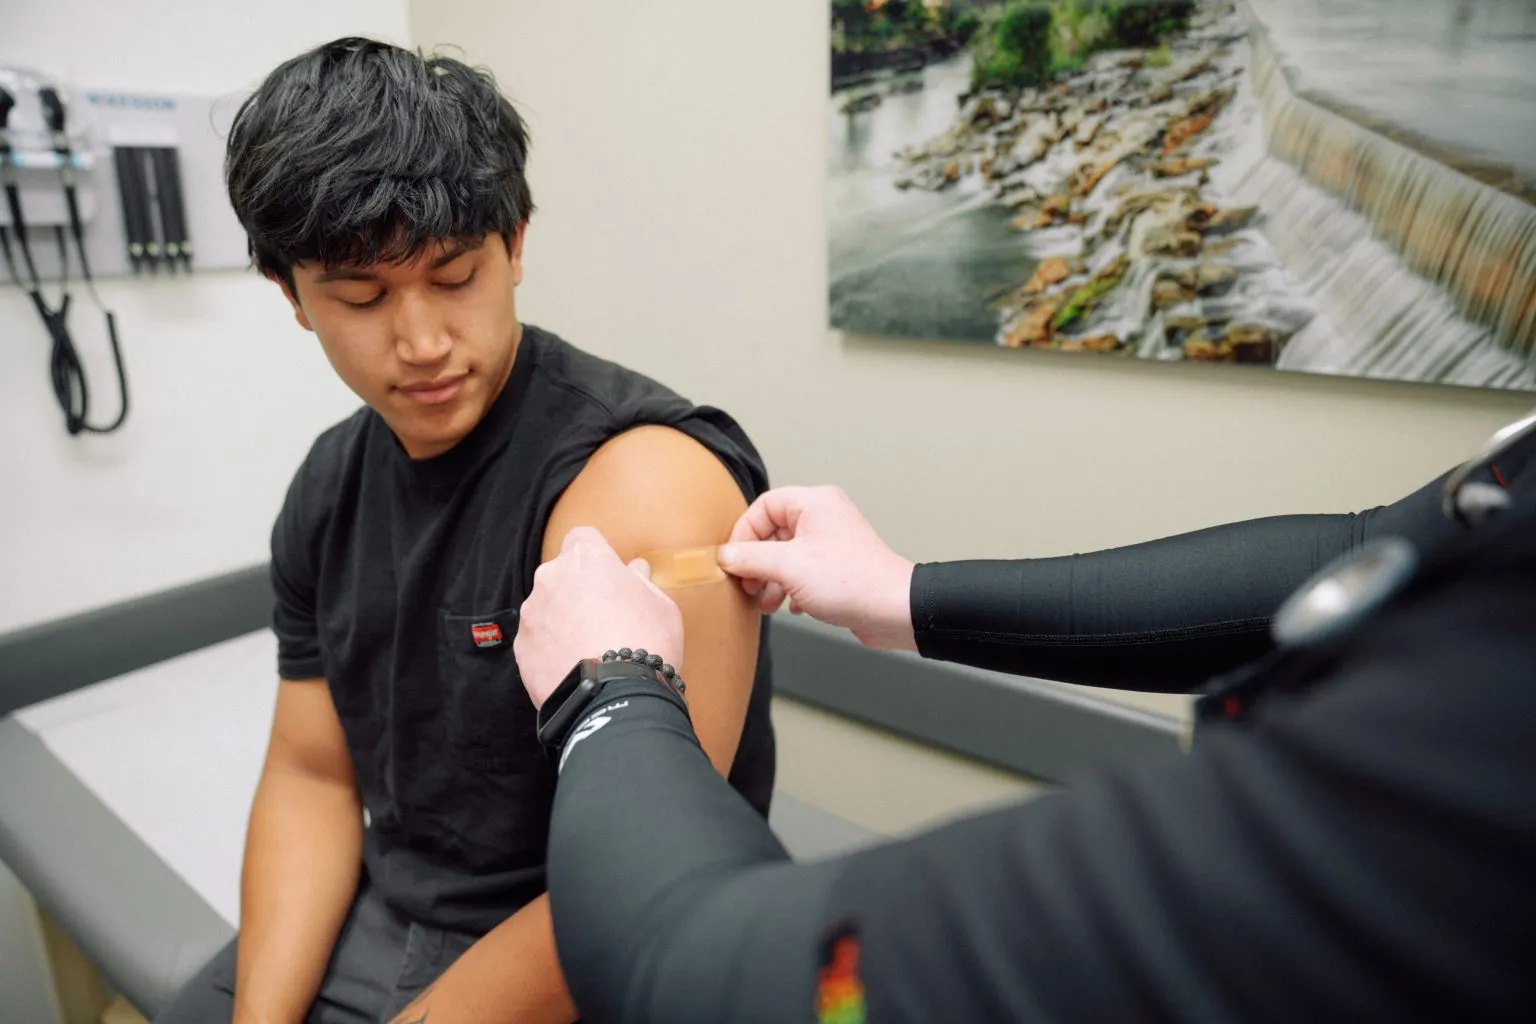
(365, 305)
(454, 286)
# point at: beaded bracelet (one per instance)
(640, 657)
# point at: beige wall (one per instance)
(678, 164)
(881, 782)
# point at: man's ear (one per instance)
(515, 253)
(293, 300)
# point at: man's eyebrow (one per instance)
(457, 249)
(453, 252)
(345, 274)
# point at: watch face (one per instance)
(559, 704)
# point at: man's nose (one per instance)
(421, 334)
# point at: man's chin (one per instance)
(427, 433)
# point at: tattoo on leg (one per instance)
(417, 1005)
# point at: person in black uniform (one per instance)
(396, 846)
(1351, 837)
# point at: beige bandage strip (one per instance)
(684, 567)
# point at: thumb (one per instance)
(581, 535)
(640, 567)
(762, 560)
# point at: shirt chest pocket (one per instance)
(490, 722)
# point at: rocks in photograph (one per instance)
(1199, 118)
(1199, 348)
(1102, 343)
(1184, 324)
(1052, 270)
(1087, 177)
(1214, 279)
(1022, 195)
(1168, 292)
(1142, 202)
(1242, 343)
(986, 110)
(1087, 130)
(1178, 286)
(1035, 327)
(1178, 166)
(1056, 209)
(1211, 220)
(1036, 140)
(1032, 218)
(1199, 216)
(1226, 221)
(1253, 343)
(1220, 246)
(1172, 241)
(1195, 70)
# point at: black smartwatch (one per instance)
(578, 690)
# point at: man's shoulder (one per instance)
(600, 383)
(622, 398)
(316, 482)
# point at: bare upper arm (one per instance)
(654, 488)
(307, 737)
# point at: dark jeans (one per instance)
(381, 962)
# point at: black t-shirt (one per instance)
(399, 581)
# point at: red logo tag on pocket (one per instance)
(486, 634)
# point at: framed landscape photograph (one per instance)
(1199, 180)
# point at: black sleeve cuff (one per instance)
(957, 605)
(618, 692)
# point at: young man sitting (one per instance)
(394, 866)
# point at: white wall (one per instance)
(210, 46)
(679, 164)
(227, 391)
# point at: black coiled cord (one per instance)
(64, 365)
(68, 374)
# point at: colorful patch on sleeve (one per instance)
(839, 992)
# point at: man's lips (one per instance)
(435, 391)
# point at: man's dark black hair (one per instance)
(359, 152)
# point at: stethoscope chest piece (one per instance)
(1344, 593)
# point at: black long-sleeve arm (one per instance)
(1167, 615)
(1363, 854)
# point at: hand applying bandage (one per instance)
(587, 601)
(812, 547)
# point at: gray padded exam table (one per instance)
(128, 766)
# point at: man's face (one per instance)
(429, 343)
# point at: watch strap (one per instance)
(588, 683)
